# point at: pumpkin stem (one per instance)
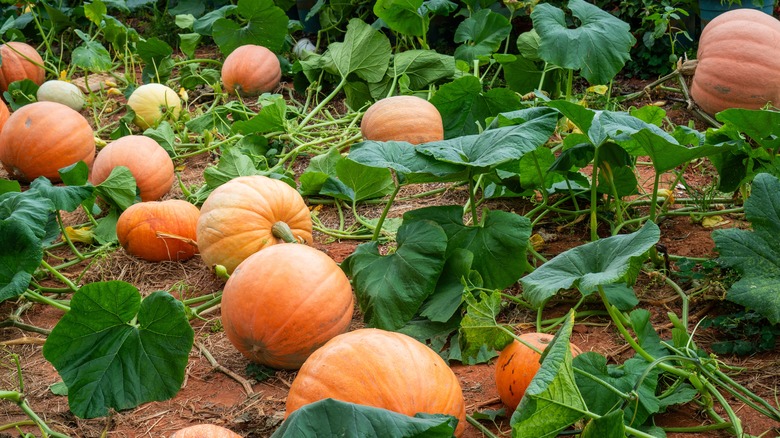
(282, 231)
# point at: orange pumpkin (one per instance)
(20, 61)
(245, 215)
(738, 61)
(383, 369)
(4, 114)
(205, 431)
(251, 70)
(517, 365)
(149, 163)
(159, 230)
(402, 118)
(40, 138)
(284, 302)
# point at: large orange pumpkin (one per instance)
(517, 365)
(244, 215)
(738, 61)
(251, 70)
(149, 163)
(402, 118)
(20, 61)
(383, 369)
(42, 137)
(205, 431)
(284, 302)
(159, 230)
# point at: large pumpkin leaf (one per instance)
(402, 16)
(334, 418)
(465, 107)
(114, 350)
(423, 67)
(481, 35)
(608, 426)
(494, 146)
(756, 254)
(498, 243)
(406, 160)
(479, 330)
(364, 52)
(605, 261)
(35, 211)
(91, 55)
(552, 401)
(599, 47)
(119, 189)
(391, 288)
(66, 198)
(21, 253)
(266, 25)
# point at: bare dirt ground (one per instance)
(210, 395)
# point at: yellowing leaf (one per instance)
(598, 89)
(537, 242)
(81, 235)
(714, 221)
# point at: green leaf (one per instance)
(605, 261)
(156, 55)
(494, 146)
(66, 198)
(366, 182)
(119, 188)
(552, 401)
(755, 254)
(266, 25)
(320, 169)
(405, 159)
(763, 126)
(448, 295)
(164, 135)
(599, 47)
(76, 174)
(608, 426)
(232, 164)
(624, 377)
(188, 42)
(481, 35)
(9, 185)
(480, 329)
(390, 289)
(402, 16)
(423, 67)
(498, 243)
(91, 55)
(464, 107)
(364, 52)
(331, 417)
(114, 351)
(21, 253)
(214, 119)
(270, 118)
(30, 208)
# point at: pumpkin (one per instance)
(284, 302)
(738, 61)
(62, 92)
(5, 113)
(149, 163)
(247, 214)
(153, 103)
(402, 118)
(205, 431)
(517, 365)
(251, 70)
(20, 61)
(159, 230)
(383, 369)
(40, 138)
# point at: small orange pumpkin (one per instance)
(383, 369)
(402, 118)
(40, 138)
(738, 61)
(149, 163)
(517, 365)
(245, 215)
(159, 230)
(205, 431)
(284, 302)
(20, 61)
(251, 70)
